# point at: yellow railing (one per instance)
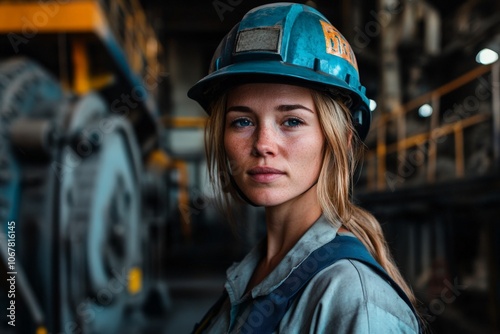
(379, 176)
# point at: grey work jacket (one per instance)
(346, 297)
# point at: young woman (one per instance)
(287, 119)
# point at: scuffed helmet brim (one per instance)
(213, 85)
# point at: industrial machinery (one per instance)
(79, 196)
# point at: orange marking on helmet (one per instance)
(337, 45)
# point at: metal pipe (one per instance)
(390, 87)
(33, 137)
(432, 36)
(422, 11)
(495, 93)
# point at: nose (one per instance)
(265, 141)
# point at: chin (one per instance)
(265, 199)
(266, 204)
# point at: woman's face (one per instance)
(273, 141)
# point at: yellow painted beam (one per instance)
(81, 83)
(134, 280)
(41, 330)
(30, 18)
(184, 122)
(158, 159)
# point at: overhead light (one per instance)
(373, 105)
(425, 110)
(486, 56)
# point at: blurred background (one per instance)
(102, 166)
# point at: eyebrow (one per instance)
(239, 108)
(289, 107)
(282, 107)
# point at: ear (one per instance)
(349, 139)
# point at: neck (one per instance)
(287, 223)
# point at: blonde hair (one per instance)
(342, 151)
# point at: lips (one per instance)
(264, 174)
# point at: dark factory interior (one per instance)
(108, 222)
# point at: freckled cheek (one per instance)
(308, 153)
(235, 147)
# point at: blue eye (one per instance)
(241, 122)
(293, 122)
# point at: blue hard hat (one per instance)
(286, 43)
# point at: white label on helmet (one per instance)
(336, 44)
(259, 39)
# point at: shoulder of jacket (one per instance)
(357, 286)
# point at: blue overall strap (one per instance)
(212, 312)
(268, 310)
